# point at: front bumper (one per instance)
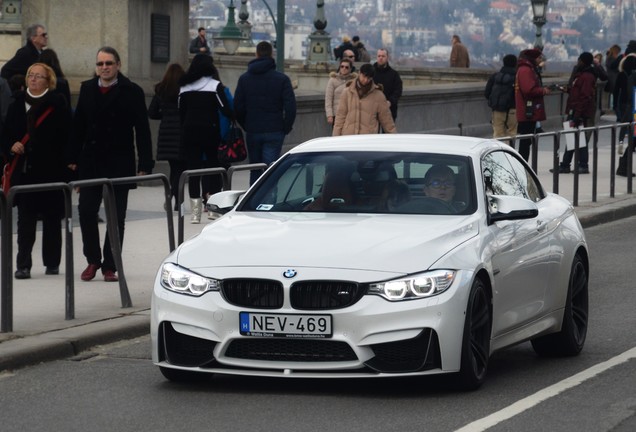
(373, 337)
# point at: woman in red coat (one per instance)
(529, 92)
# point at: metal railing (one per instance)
(6, 241)
(6, 286)
(227, 184)
(593, 132)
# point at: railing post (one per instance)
(6, 281)
(185, 175)
(6, 297)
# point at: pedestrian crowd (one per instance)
(516, 93)
(107, 134)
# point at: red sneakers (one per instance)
(89, 272)
(110, 276)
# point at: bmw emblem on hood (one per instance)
(289, 273)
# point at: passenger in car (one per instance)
(337, 192)
(396, 194)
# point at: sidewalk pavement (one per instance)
(40, 332)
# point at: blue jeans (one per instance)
(263, 147)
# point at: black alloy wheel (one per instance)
(570, 340)
(476, 341)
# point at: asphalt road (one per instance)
(116, 387)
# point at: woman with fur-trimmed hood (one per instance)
(335, 86)
(363, 108)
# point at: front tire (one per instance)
(476, 340)
(570, 340)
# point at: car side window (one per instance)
(499, 176)
(532, 189)
(503, 174)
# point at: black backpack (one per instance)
(502, 92)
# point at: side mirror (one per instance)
(223, 202)
(503, 207)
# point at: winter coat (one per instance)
(199, 104)
(44, 160)
(169, 136)
(21, 61)
(105, 128)
(581, 103)
(459, 56)
(197, 43)
(335, 87)
(500, 90)
(528, 87)
(364, 115)
(391, 82)
(623, 90)
(264, 100)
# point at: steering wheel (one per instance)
(437, 206)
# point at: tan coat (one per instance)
(335, 87)
(356, 116)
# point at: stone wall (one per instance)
(77, 28)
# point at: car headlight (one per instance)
(178, 279)
(413, 287)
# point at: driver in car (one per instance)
(439, 182)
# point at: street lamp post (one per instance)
(279, 24)
(538, 18)
(230, 34)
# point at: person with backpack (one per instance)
(580, 108)
(500, 93)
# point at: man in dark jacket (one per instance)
(265, 106)
(199, 45)
(580, 108)
(389, 78)
(500, 93)
(37, 39)
(111, 113)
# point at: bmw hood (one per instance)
(391, 243)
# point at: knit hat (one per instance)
(631, 47)
(356, 38)
(586, 58)
(531, 54)
(510, 60)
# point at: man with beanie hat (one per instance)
(363, 109)
(529, 92)
(580, 108)
(500, 93)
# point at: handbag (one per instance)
(232, 147)
(9, 167)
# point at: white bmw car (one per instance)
(376, 256)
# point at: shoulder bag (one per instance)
(9, 167)
(232, 148)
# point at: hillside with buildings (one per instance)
(418, 32)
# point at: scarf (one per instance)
(363, 90)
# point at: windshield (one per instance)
(366, 182)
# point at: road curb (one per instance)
(609, 212)
(27, 351)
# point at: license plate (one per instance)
(283, 325)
